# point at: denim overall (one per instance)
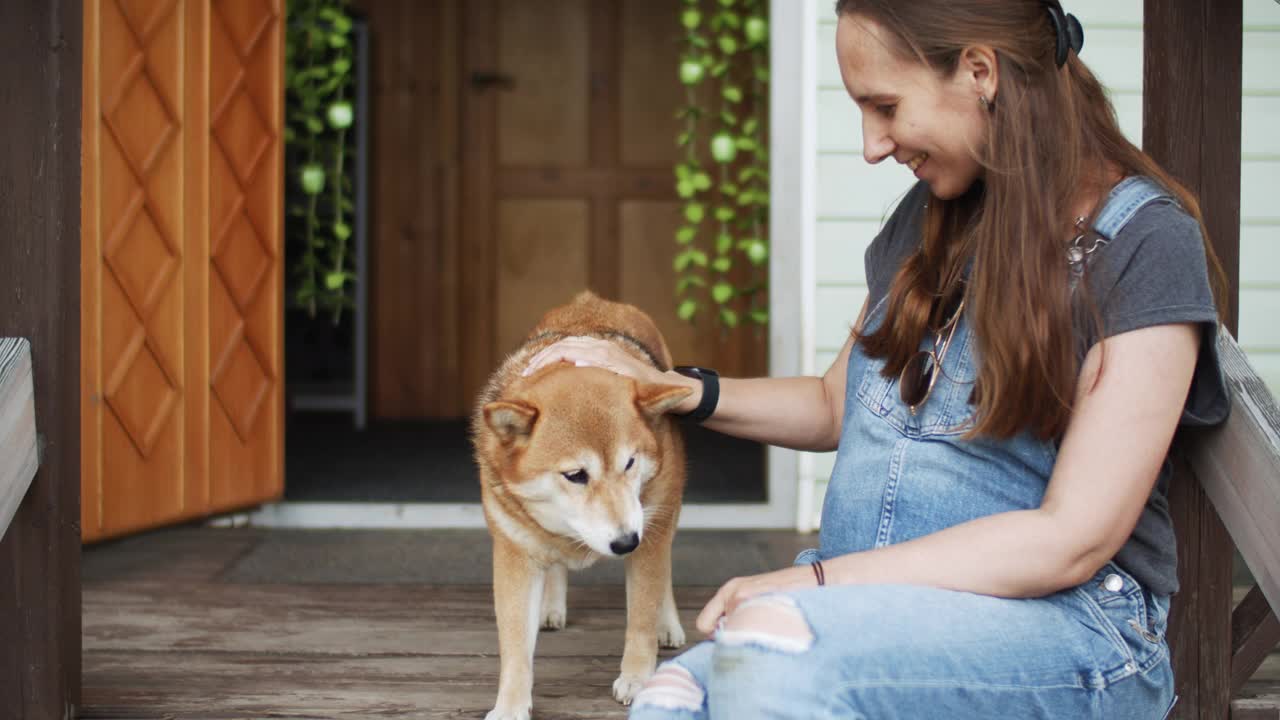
(891, 651)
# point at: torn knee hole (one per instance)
(771, 621)
(672, 688)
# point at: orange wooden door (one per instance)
(181, 273)
(568, 146)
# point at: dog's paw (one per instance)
(626, 687)
(553, 620)
(671, 636)
(499, 713)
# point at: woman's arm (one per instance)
(1126, 412)
(803, 413)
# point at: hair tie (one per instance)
(1068, 32)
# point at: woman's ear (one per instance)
(980, 68)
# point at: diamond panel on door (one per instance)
(245, 312)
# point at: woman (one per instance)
(995, 538)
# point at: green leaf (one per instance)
(682, 261)
(685, 189)
(682, 139)
(312, 178)
(694, 212)
(728, 317)
(762, 74)
(340, 115)
(723, 148)
(732, 94)
(334, 280)
(682, 171)
(725, 213)
(721, 264)
(699, 42)
(691, 72)
(724, 243)
(756, 30)
(690, 18)
(746, 144)
(686, 281)
(314, 125)
(726, 3)
(699, 258)
(757, 252)
(685, 235)
(761, 317)
(721, 292)
(728, 118)
(342, 65)
(728, 189)
(749, 126)
(687, 309)
(732, 19)
(719, 69)
(341, 230)
(337, 40)
(701, 181)
(728, 44)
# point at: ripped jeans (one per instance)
(894, 651)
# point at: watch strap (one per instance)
(710, 391)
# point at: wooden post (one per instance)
(40, 89)
(1191, 125)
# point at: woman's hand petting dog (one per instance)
(594, 352)
(740, 589)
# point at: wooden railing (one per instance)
(1238, 466)
(19, 455)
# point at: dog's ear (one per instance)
(510, 420)
(653, 400)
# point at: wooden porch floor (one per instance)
(173, 630)
(250, 623)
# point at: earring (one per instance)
(986, 104)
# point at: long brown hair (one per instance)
(1052, 132)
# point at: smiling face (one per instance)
(932, 124)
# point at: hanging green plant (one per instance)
(319, 82)
(724, 175)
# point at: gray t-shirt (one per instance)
(1154, 272)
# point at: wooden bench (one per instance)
(1238, 466)
(19, 452)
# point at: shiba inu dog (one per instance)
(577, 464)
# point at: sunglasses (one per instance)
(918, 376)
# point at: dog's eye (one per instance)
(577, 476)
(630, 462)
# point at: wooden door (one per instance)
(568, 146)
(181, 274)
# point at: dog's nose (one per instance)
(624, 544)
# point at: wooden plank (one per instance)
(1254, 634)
(245, 619)
(449, 400)
(40, 276)
(19, 453)
(603, 182)
(479, 123)
(223, 686)
(1238, 464)
(604, 124)
(1191, 126)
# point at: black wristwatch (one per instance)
(710, 391)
